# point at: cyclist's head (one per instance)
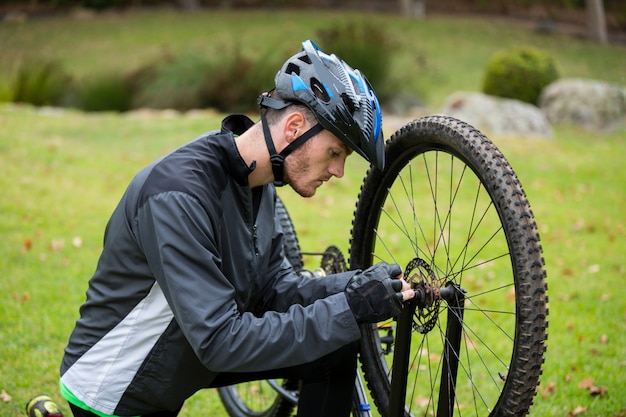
(340, 98)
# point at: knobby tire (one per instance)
(449, 200)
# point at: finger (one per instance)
(405, 285)
(407, 295)
(395, 270)
(397, 285)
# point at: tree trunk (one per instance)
(189, 5)
(596, 22)
(413, 8)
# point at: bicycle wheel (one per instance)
(268, 398)
(450, 210)
(260, 398)
(291, 246)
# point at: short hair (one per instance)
(273, 116)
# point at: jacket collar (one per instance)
(235, 125)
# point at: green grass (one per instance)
(63, 174)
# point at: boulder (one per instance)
(591, 104)
(498, 116)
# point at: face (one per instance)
(315, 162)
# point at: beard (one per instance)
(295, 170)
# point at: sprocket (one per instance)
(333, 261)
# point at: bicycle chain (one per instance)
(425, 281)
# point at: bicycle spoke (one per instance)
(451, 212)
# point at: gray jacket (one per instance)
(192, 281)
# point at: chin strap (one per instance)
(278, 159)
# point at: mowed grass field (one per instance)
(64, 171)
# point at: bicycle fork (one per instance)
(455, 297)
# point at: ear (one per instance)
(295, 125)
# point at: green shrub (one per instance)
(235, 80)
(109, 92)
(171, 82)
(519, 73)
(229, 81)
(40, 83)
(369, 49)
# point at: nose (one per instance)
(337, 168)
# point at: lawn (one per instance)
(64, 171)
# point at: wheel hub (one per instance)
(427, 286)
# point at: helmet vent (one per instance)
(306, 59)
(348, 102)
(319, 90)
(292, 69)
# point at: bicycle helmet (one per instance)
(339, 96)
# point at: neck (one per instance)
(251, 146)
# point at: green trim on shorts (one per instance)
(71, 398)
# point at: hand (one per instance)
(377, 293)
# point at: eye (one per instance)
(334, 153)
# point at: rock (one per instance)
(591, 104)
(498, 116)
(403, 103)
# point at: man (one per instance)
(192, 289)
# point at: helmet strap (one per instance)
(278, 159)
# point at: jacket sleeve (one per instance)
(178, 239)
(288, 288)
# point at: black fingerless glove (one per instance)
(375, 294)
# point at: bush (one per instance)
(110, 92)
(229, 81)
(366, 48)
(235, 80)
(171, 82)
(41, 83)
(519, 73)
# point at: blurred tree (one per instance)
(189, 5)
(413, 8)
(596, 22)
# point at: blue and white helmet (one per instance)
(341, 98)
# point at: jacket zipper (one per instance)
(255, 240)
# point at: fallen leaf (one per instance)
(77, 242)
(604, 339)
(56, 245)
(5, 397)
(598, 391)
(605, 297)
(421, 401)
(577, 410)
(548, 390)
(578, 225)
(27, 244)
(586, 383)
(594, 390)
